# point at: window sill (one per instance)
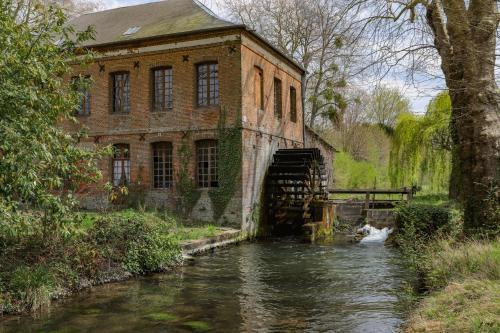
(120, 113)
(207, 107)
(166, 189)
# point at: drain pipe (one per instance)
(303, 94)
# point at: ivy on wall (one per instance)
(186, 188)
(230, 153)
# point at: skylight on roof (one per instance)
(131, 31)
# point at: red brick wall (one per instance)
(262, 133)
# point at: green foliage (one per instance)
(32, 268)
(421, 149)
(418, 224)
(32, 285)
(188, 192)
(427, 220)
(386, 105)
(197, 326)
(450, 261)
(230, 153)
(350, 173)
(137, 243)
(40, 164)
(161, 316)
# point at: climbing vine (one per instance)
(188, 193)
(229, 139)
(421, 147)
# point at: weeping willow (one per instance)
(421, 148)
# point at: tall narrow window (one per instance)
(206, 158)
(162, 165)
(79, 84)
(207, 84)
(278, 99)
(121, 164)
(259, 88)
(162, 89)
(293, 104)
(121, 92)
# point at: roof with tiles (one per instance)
(149, 20)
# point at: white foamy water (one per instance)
(374, 235)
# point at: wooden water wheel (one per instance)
(295, 182)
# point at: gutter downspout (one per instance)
(303, 97)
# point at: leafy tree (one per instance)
(386, 105)
(462, 34)
(40, 164)
(421, 149)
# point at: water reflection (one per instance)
(276, 286)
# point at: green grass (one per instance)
(183, 230)
(463, 280)
(198, 326)
(160, 316)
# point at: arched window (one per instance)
(206, 161)
(121, 164)
(162, 164)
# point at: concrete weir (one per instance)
(199, 246)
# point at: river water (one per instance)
(272, 286)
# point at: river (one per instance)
(272, 286)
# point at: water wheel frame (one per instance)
(295, 183)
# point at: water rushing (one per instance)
(274, 286)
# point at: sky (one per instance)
(419, 94)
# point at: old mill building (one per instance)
(195, 107)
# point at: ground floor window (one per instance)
(162, 165)
(121, 164)
(206, 158)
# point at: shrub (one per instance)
(427, 221)
(137, 243)
(32, 286)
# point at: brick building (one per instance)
(194, 105)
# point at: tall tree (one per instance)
(312, 32)
(40, 164)
(463, 34)
(386, 104)
(421, 147)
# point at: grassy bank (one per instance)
(36, 266)
(458, 276)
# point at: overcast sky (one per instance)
(419, 95)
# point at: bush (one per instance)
(31, 286)
(33, 268)
(417, 225)
(138, 244)
(427, 221)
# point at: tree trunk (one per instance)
(478, 134)
(465, 38)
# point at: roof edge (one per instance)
(186, 33)
(319, 137)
